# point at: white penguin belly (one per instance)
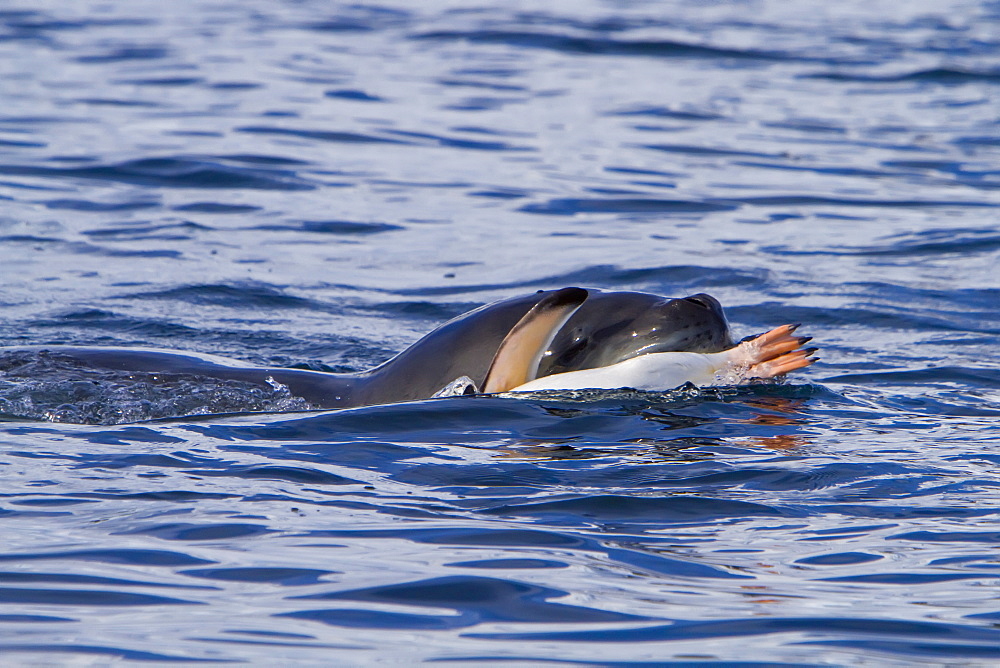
(653, 372)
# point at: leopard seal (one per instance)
(604, 328)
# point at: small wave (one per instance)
(910, 579)
(118, 555)
(940, 75)
(876, 316)
(990, 537)
(438, 312)
(574, 206)
(810, 200)
(819, 169)
(935, 242)
(33, 24)
(636, 510)
(474, 600)
(839, 559)
(596, 45)
(297, 474)
(286, 577)
(926, 639)
(217, 207)
(125, 53)
(335, 227)
(401, 137)
(189, 531)
(360, 18)
(102, 320)
(691, 149)
(88, 205)
(117, 102)
(355, 95)
(85, 597)
(171, 172)
(965, 376)
(321, 135)
(235, 295)
(667, 280)
(170, 231)
(76, 579)
(161, 81)
(667, 112)
(456, 142)
(482, 83)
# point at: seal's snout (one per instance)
(699, 308)
(695, 323)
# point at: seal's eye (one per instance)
(572, 352)
(699, 301)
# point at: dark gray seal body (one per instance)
(609, 327)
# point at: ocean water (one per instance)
(318, 184)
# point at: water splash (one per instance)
(39, 385)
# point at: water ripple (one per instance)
(317, 185)
(176, 172)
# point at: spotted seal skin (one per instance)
(608, 328)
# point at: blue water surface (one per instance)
(317, 184)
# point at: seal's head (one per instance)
(611, 327)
